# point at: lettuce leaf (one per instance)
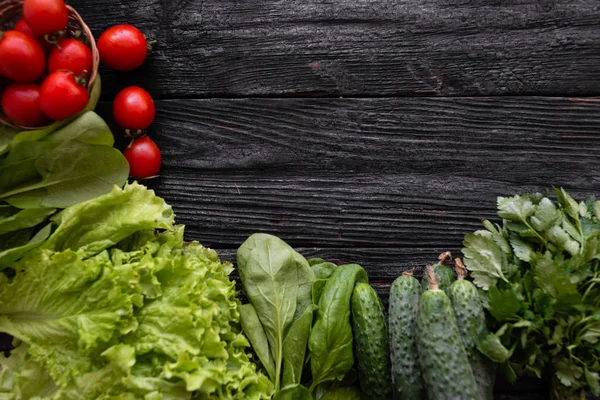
(111, 308)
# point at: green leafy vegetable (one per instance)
(139, 315)
(61, 167)
(542, 290)
(275, 280)
(283, 288)
(330, 343)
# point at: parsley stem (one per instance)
(524, 220)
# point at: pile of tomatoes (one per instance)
(45, 70)
(44, 75)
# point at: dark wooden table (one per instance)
(377, 132)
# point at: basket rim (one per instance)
(76, 23)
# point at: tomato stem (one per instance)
(54, 38)
(134, 133)
(150, 43)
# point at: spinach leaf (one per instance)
(11, 255)
(256, 334)
(323, 271)
(294, 347)
(269, 278)
(18, 168)
(343, 393)
(278, 282)
(330, 342)
(305, 278)
(294, 392)
(24, 219)
(73, 172)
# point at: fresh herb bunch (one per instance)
(538, 274)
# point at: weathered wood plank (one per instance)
(409, 173)
(216, 48)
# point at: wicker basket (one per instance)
(10, 10)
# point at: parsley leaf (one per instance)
(503, 304)
(485, 260)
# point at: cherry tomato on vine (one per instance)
(46, 16)
(144, 158)
(21, 57)
(123, 47)
(61, 96)
(21, 104)
(21, 26)
(134, 108)
(71, 55)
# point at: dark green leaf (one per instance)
(330, 342)
(567, 371)
(503, 304)
(293, 392)
(256, 334)
(343, 393)
(493, 349)
(25, 219)
(294, 347)
(72, 173)
(9, 256)
(592, 381)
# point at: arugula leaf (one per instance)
(484, 259)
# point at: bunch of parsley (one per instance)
(538, 274)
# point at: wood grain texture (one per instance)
(216, 48)
(405, 173)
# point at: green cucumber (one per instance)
(406, 371)
(470, 319)
(371, 343)
(443, 272)
(446, 370)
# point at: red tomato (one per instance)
(144, 158)
(133, 108)
(123, 47)
(21, 104)
(21, 57)
(61, 96)
(46, 16)
(21, 26)
(71, 55)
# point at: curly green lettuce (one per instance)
(102, 315)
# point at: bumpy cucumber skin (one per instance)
(470, 320)
(406, 370)
(371, 343)
(446, 370)
(444, 275)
